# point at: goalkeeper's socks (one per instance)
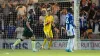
(49, 44)
(17, 42)
(45, 40)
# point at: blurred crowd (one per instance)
(89, 20)
(13, 15)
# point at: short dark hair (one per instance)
(69, 10)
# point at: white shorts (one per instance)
(70, 31)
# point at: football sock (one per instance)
(45, 40)
(33, 44)
(17, 42)
(68, 43)
(71, 43)
(49, 44)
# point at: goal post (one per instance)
(76, 21)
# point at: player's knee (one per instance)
(21, 39)
(33, 40)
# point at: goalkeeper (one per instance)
(48, 23)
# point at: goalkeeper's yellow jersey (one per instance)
(49, 19)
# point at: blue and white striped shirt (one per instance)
(70, 24)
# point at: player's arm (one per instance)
(46, 22)
(27, 24)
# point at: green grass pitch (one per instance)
(8, 52)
